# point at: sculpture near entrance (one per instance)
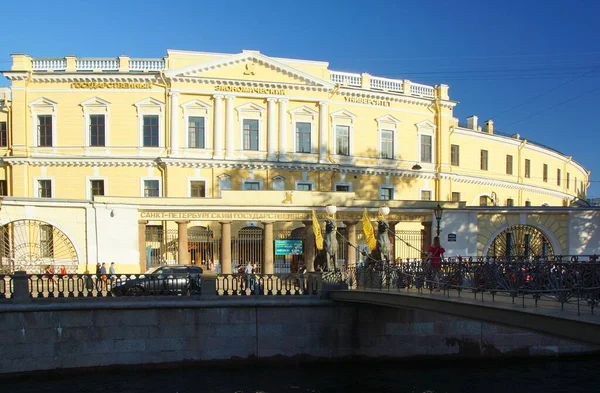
(327, 247)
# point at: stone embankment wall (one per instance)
(71, 333)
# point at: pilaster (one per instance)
(271, 129)
(142, 244)
(268, 263)
(323, 130)
(283, 129)
(226, 247)
(229, 126)
(174, 123)
(309, 246)
(218, 127)
(351, 246)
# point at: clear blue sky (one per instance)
(518, 62)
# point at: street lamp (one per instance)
(384, 210)
(331, 210)
(438, 216)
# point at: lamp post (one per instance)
(438, 216)
(384, 210)
(331, 210)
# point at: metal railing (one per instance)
(6, 290)
(268, 284)
(568, 283)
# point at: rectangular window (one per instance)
(568, 180)
(426, 148)
(45, 131)
(342, 140)
(197, 189)
(454, 155)
(3, 188)
(342, 187)
(46, 241)
(527, 203)
(545, 174)
(483, 200)
(558, 174)
(527, 168)
(510, 202)
(96, 187)
(251, 186)
(250, 134)
(44, 188)
(3, 134)
(456, 197)
(151, 188)
(196, 132)
(386, 193)
(425, 195)
(97, 130)
(484, 160)
(151, 131)
(303, 137)
(509, 165)
(304, 186)
(387, 144)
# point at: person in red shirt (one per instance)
(435, 256)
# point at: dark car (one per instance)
(161, 280)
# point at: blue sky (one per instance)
(532, 66)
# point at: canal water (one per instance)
(423, 376)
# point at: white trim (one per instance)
(197, 108)
(88, 184)
(42, 107)
(36, 186)
(387, 123)
(144, 178)
(426, 127)
(311, 183)
(430, 193)
(277, 179)
(96, 106)
(296, 114)
(251, 111)
(190, 179)
(152, 107)
(346, 119)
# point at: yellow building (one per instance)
(195, 125)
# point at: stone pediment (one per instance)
(250, 66)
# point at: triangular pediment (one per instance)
(303, 110)
(95, 101)
(387, 119)
(252, 66)
(425, 124)
(195, 104)
(343, 114)
(42, 101)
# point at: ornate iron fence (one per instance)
(576, 282)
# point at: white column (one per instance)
(283, 129)
(323, 131)
(229, 127)
(218, 127)
(271, 128)
(174, 123)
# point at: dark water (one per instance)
(436, 376)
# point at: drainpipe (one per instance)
(438, 144)
(162, 168)
(519, 171)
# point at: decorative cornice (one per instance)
(16, 75)
(391, 97)
(52, 77)
(248, 83)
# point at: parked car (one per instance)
(161, 280)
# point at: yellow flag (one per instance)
(317, 231)
(368, 230)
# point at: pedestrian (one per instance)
(103, 275)
(63, 270)
(435, 256)
(249, 270)
(111, 270)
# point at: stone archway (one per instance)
(520, 240)
(31, 245)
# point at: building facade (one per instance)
(187, 130)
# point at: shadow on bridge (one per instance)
(543, 306)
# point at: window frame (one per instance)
(3, 188)
(426, 127)
(545, 173)
(190, 180)
(150, 107)
(389, 188)
(343, 184)
(391, 124)
(143, 188)
(304, 114)
(251, 111)
(558, 177)
(452, 155)
(509, 164)
(481, 161)
(343, 118)
(36, 186)
(3, 133)
(277, 180)
(252, 181)
(188, 133)
(311, 184)
(95, 106)
(43, 107)
(568, 180)
(197, 108)
(88, 182)
(422, 190)
(527, 169)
